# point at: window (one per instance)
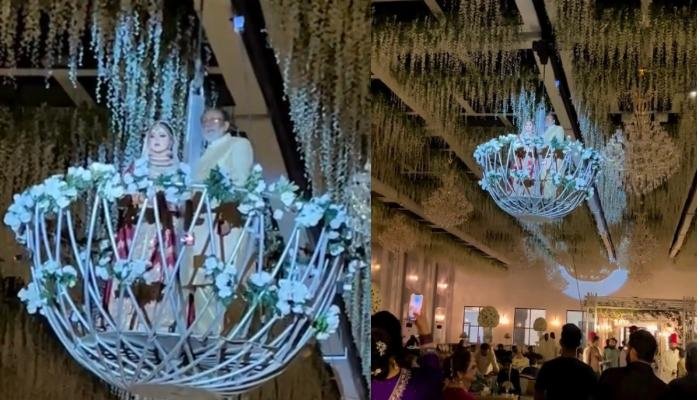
(471, 324)
(575, 317)
(523, 334)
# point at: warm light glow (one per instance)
(412, 277)
(439, 315)
(442, 285)
(556, 322)
(503, 320)
(376, 267)
(693, 94)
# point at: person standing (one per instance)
(668, 360)
(486, 360)
(686, 388)
(593, 356)
(637, 380)
(566, 377)
(232, 155)
(611, 354)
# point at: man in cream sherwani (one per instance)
(234, 157)
(553, 132)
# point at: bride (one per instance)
(525, 167)
(158, 159)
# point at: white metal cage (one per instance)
(157, 349)
(534, 180)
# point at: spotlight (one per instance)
(693, 94)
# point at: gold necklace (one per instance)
(401, 385)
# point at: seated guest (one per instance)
(390, 375)
(460, 372)
(508, 378)
(500, 353)
(520, 362)
(637, 380)
(566, 377)
(486, 360)
(533, 369)
(687, 386)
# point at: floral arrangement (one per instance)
(488, 317)
(540, 325)
(376, 299)
(289, 296)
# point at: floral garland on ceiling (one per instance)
(615, 49)
(143, 41)
(39, 141)
(322, 49)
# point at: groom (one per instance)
(233, 155)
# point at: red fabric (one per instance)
(453, 393)
(591, 335)
(673, 338)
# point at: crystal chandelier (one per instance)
(448, 206)
(651, 156)
(534, 180)
(263, 302)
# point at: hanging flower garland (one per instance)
(127, 39)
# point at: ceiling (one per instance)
(442, 76)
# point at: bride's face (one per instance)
(159, 140)
(529, 127)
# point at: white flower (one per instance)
(260, 279)
(102, 272)
(310, 215)
(278, 214)
(257, 168)
(32, 296)
(292, 292)
(260, 187)
(328, 323)
(288, 198)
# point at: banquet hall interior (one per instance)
(483, 250)
(80, 81)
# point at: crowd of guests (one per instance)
(554, 370)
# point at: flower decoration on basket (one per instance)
(286, 294)
(540, 325)
(488, 317)
(533, 179)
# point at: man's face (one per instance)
(213, 125)
(549, 120)
(674, 346)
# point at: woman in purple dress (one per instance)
(392, 379)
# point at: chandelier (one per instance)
(448, 206)
(263, 302)
(651, 157)
(534, 180)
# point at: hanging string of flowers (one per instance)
(143, 56)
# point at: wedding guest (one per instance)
(593, 356)
(460, 371)
(566, 377)
(554, 349)
(637, 380)
(486, 360)
(687, 386)
(625, 349)
(500, 353)
(682, 371)
(668, 360)
(508, 378)
(519, 360)
(611, 354)
(533, 369)
(391, 378)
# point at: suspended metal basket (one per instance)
(262, 306)
(534, 180)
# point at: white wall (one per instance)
(529, 288)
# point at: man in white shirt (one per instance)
(486, 360)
